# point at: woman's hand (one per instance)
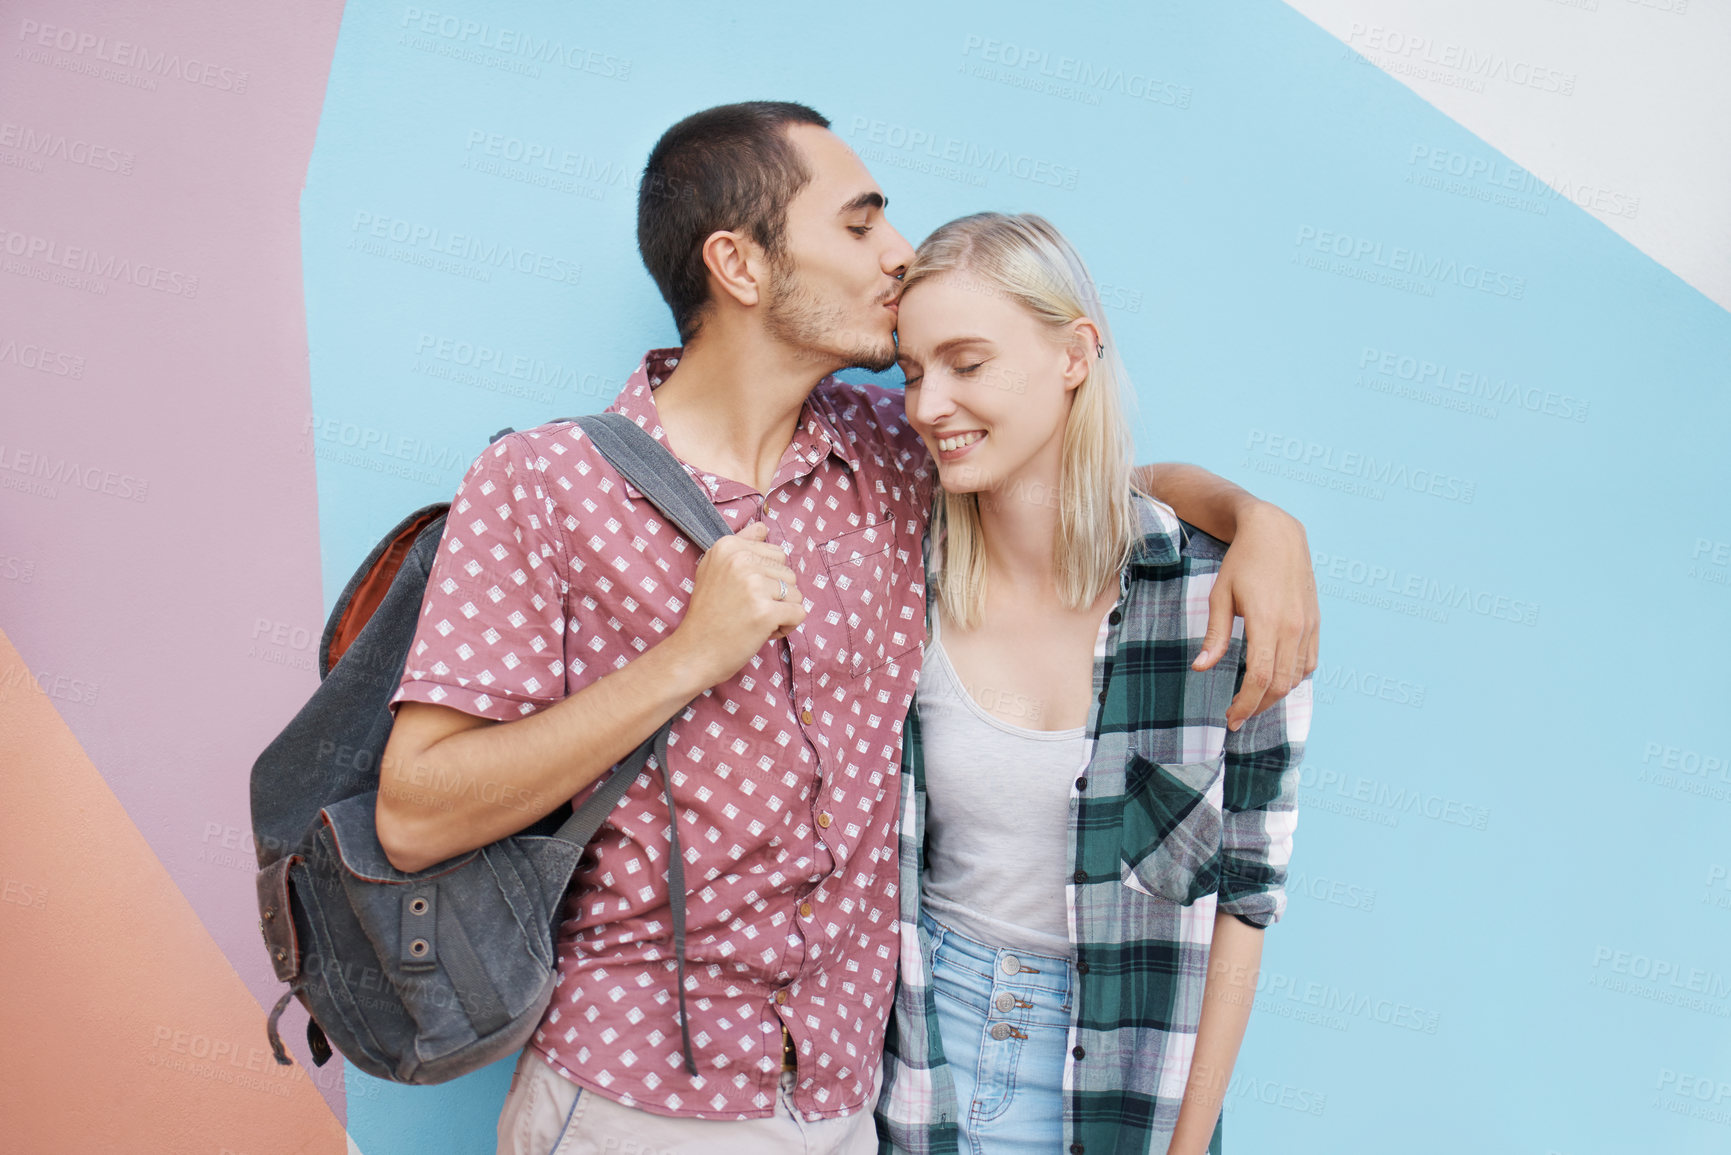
(1266, 579)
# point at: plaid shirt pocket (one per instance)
(1171, 839)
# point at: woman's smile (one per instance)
(956, 445)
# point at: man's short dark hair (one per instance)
(731, 167)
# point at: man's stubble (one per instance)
(798, 318)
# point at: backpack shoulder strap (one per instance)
(658, 475)
(648, 465)
(652, 468)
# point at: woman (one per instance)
(1088, 854)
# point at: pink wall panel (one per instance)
(158, 519)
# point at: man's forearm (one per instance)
(1233, 961)
(1205, 500)
(483, 783)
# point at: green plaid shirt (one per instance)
(1175, 818)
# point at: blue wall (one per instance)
(1504, 427)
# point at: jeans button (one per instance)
(1006, 1001)
(1011, 965)
(1000, 1031)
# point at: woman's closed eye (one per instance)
(967, 370)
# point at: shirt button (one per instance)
(1081, 967)
(805, 716)
(1079, 1053)
(781, 998)
(1081, 784)
(1102, 695)
(1075, 1149)
(823, 819)
(1115, 618)
(1080, 877)
(805, 910)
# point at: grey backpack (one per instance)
(420, 978)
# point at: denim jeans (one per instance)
(1004, 1018)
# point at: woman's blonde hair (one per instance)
(1024, 259)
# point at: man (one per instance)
(565, 621)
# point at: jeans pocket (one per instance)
(573, 1117)
(539, 1109)
(1170, 842)
(931, 936)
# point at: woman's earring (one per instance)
(1100, 351)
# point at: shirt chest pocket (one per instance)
(1171, 837)
(857, 610)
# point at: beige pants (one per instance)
(547, 1114)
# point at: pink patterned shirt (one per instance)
(554, 572)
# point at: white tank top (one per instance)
(997, 815)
